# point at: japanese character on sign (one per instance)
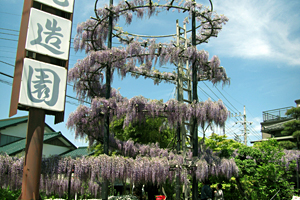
(65, 3)
(48, 34)
(43, 85)
(52, 35)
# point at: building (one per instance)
(273, 121)
(13, 140)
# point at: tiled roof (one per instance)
(276, 126)
(80, 151)
(14, 147)
(12, 121)
(19, 145)
(276, 138)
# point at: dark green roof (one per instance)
(18, 146)
(12, 121)
(276, 126)
(4, 123)
(80, 151)
(14, 147)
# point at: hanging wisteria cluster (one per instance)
(85, 174)
(91, 35)
(89, 121)
(291, 155)
(87, 73)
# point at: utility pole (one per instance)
(245, 125)
(181, 87)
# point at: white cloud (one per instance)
(84, 9)
(259, 29)
(256, 127)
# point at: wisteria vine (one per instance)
(87, 73)
(90, 171)
(89, 121)
(137, 57)
(86, 173)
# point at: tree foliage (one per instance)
(149, 131)
(292, 127)
(220, 143)
(264, 171)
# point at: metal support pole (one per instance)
(180, 99)
(33, 154)
(297, 174)
(107, 96)
(177, 169)
(245, 127)
(108, 81)
(195, 98)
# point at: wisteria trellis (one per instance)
(88, 78)
(88, 75)
(91, 35)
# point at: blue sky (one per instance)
(259, 48)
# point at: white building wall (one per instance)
(19, 130)
(49, 150)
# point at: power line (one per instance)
(220, 98)
(227, 99)
(8, 39)
(216, 96)
(9, 29)
(232, 97)
(10, 47)
(7, 63)
(9, 34)
(72, 103)
(77, 99)
(211, 90)
(10, 13)
(205, 93)
(6, 75)
(252, 131)
(7, 51)
(8, 57)
(5, 82)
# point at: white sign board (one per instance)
(48, 34)
(295, 198)
(65, 5)
(43, 85)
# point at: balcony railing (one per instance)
(276, 114)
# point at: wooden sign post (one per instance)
(40, 77)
